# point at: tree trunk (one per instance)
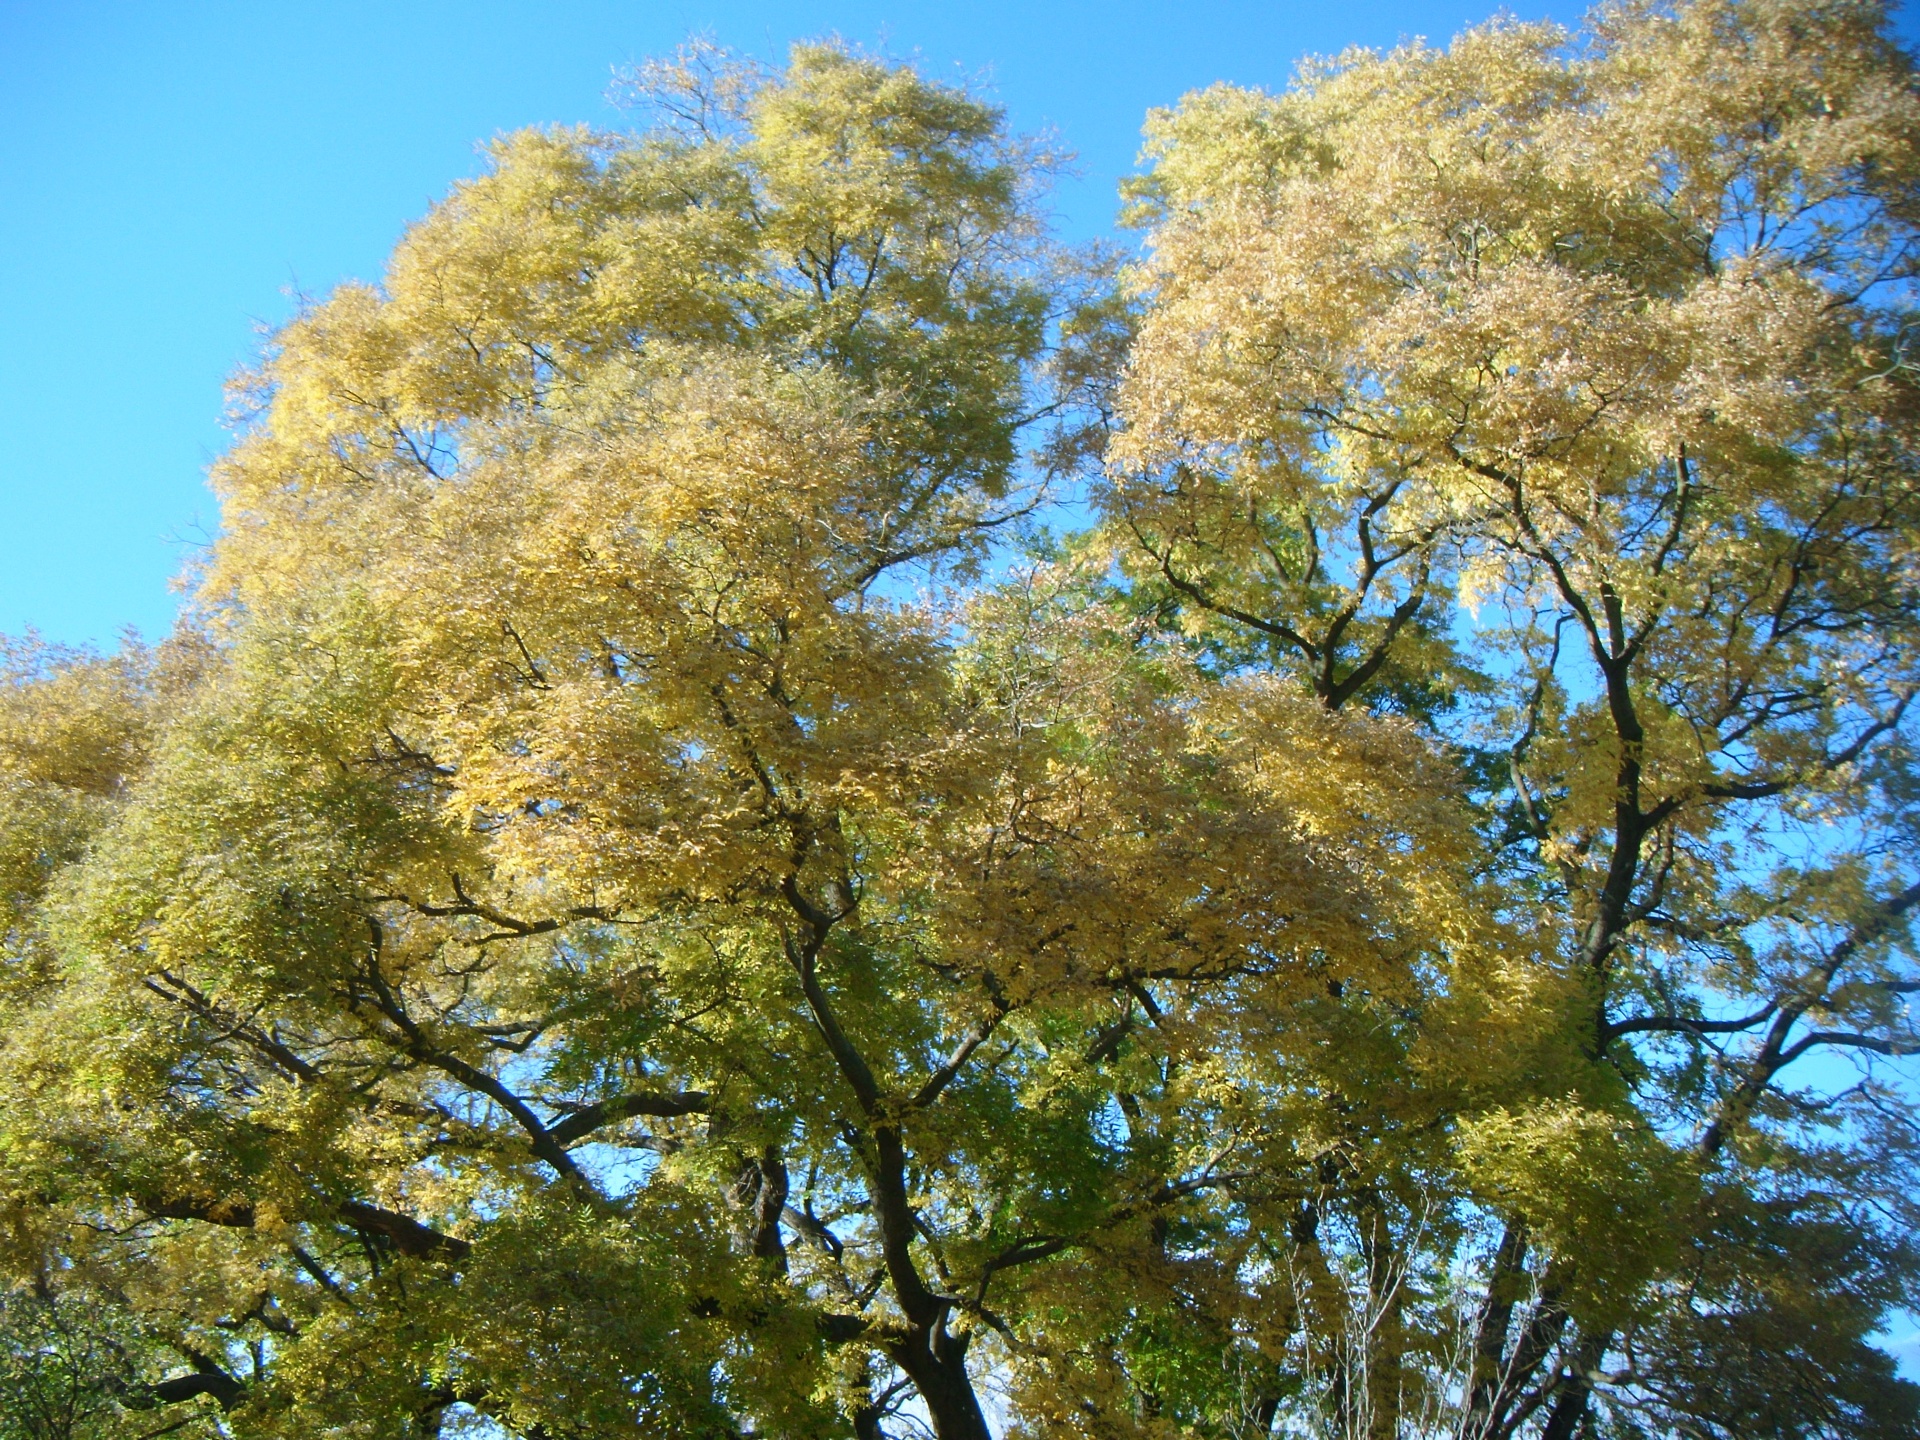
(936, 1361)
(1576, 1387)
(1488, 1384)
(1383, 1341)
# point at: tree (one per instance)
(632, 909)
(1554, 394)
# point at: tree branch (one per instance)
(589, 1118)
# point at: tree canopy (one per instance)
(668, 885)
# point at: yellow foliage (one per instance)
(641, 913)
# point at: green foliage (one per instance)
(74, 1366)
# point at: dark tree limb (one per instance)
(584, 1121)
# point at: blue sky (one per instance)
(172, 170)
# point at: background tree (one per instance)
(1553, 392)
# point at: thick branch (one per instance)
(583, 1122)
(407, 1235)
(1683, 1024)
(207, 1379)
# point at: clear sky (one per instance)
(172, 171)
